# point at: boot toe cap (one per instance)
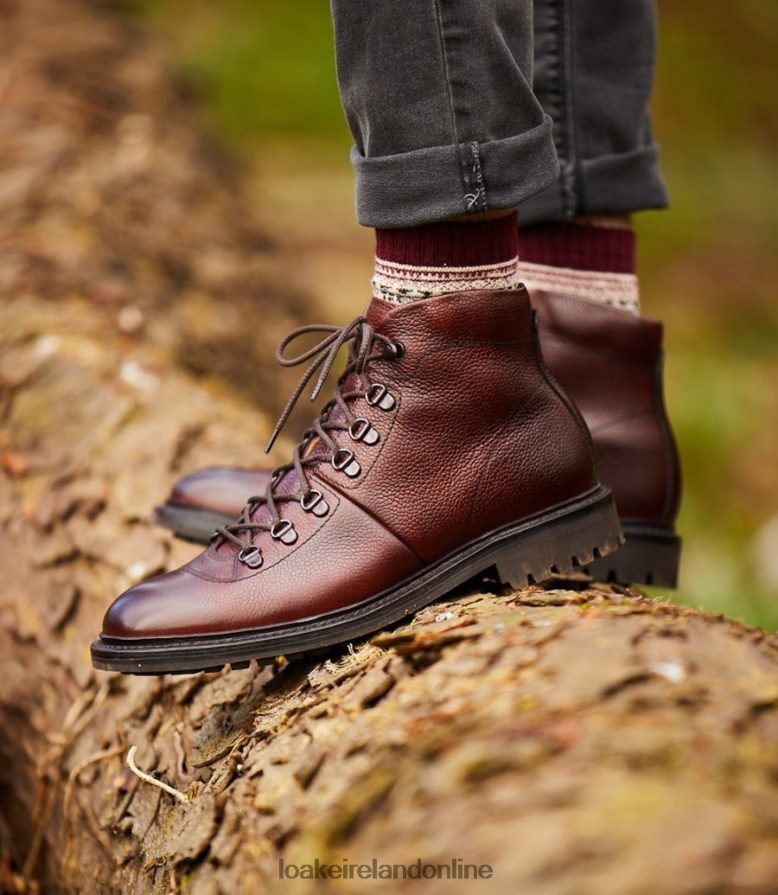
(167, 605)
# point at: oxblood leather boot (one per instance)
(446, 450)
(610, 363)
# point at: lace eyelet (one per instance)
(395, 350)
(283, 531)
(362, 430)
(344, 461)
(251, 557)
(378, 396)
(314, 502)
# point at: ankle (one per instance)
(577, 246)
(594, 259)
(452, 256)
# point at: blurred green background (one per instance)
(265, 73)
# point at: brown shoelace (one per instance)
(365, 345)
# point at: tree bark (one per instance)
(577, 738)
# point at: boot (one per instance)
(610, 363)
(447, 449)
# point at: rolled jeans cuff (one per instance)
(610, 184)
(428, 185)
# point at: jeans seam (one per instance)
(446, 72)
(560, 87)
(474, 187)
(567, 91)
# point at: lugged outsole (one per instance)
(650, 556)
(565, 548)
(527, 551)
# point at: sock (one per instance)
(595, 263)
(420, 262)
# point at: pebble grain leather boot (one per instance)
(610, 363)
(446, 449)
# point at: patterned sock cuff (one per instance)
(619, 290)
(420, 262)
(401, 283)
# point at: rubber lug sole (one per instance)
(531, 550)
(650, 556)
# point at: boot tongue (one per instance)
(377, 314)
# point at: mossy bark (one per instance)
(577, 738)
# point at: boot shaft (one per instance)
(610, 363)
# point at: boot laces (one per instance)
(364, 345)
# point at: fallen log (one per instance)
(575, 737)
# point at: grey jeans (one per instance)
(448, 119)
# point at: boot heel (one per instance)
(650, 555)
(569, 541)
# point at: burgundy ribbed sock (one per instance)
(596, 263)
(419, 262)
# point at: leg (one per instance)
(438, 98)
(445, 125)
(594, 68)
(447, 449)
(391, 119)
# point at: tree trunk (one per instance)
(575, 738)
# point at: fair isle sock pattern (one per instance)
(402, 283)
(414, 263)
(619, 290)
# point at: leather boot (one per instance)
(610, 363)
(447, 449)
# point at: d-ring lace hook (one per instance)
(361, 339)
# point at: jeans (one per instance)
(460, 106)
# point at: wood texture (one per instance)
(579, 739)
